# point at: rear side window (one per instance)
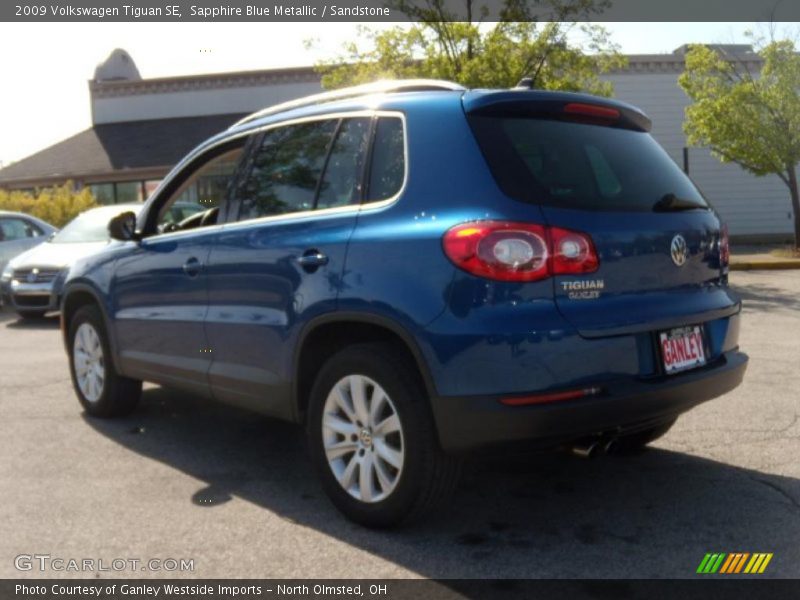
(286, 169)
(388, 167)
(341, 183)
(576, 165)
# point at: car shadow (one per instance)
(553, 515)
(14, 321)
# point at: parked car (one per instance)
(20, 232)
(31, 282)
(415, 271)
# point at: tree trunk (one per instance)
(795, 204)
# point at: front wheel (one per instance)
(101, 391)
(373, 440)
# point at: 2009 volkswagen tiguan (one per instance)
(412, 271)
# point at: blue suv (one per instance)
(414, 271)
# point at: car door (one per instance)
(160, 284)
(16, 236)
(281, 263)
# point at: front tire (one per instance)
(100, 390)
(372, 438)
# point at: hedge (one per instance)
(57, 205)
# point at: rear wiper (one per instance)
(670, 202)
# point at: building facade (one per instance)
(142, 127)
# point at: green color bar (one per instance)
(701, 568)
(718, 563)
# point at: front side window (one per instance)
(196, 202)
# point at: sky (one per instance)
(45, 67)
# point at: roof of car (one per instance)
(378, 94)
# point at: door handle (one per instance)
(192, 267)
(312, 259)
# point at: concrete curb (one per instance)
(766, 265)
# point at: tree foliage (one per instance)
(56, 205)
(751, 119)
(559, 54)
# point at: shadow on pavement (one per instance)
(652, 515)
(13, 321)
(759, 297)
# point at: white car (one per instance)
(31, 282)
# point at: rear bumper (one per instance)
(474, 422)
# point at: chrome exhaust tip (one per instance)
(585, 450)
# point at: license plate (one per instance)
(682, 349)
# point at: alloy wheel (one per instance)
(363, 438)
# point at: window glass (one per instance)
(341, 184)
(577, 165)
(388, 159)
(103, 192)
(286, 170)
(128, 192)
(17, 229)
(203, 192)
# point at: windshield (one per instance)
(91, 226)
(575, 165)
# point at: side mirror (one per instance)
(123, 227)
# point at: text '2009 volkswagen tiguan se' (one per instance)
(417, 270)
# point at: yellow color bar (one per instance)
(765, 563)
(755, 558)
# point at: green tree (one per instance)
(751, 119)
(559, 54)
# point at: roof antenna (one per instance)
(526, 83)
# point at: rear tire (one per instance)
(100, 390)
(31, 314)
(635, 442)
(389, 436)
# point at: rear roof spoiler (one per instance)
(522, 103)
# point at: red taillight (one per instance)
(724, 246)
(591, 110)
(573, 252)
(506, 251)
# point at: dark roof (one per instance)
(114, 147)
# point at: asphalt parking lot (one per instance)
(184, 478)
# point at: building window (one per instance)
(129, 191)
(103, 192)
(150, 187)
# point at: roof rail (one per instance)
(377, 87)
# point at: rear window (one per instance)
(576, 165)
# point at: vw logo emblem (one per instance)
(679, 250)
(33, 275)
